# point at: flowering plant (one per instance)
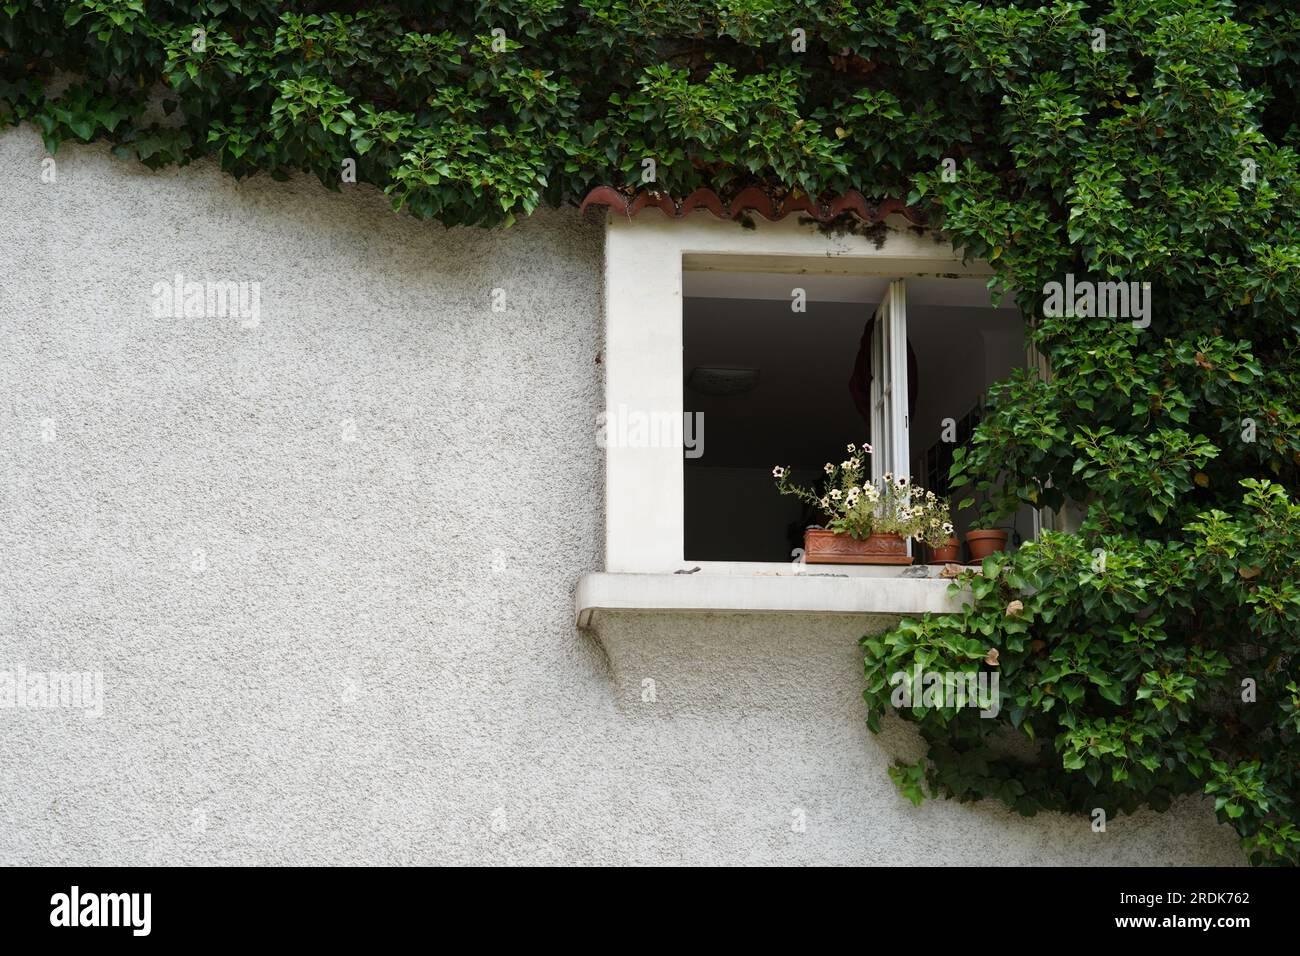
(859, 507)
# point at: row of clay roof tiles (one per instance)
(750, 200)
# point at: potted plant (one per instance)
(984, 537)
(949, 552)
(983, 542)
(867, 523)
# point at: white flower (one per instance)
(871, 491)
(947, 527)
(778, 472)
(835, 493)
(846, 465)
(889, 476)
(851, 448)
(866, 449)
(829, 468)
(901, 481)
(824, 503)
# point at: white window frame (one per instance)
(892, 452)
(645, 258)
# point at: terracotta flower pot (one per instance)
(984, 543)
(948, 553)
(826, 547)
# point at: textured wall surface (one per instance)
(325, 566)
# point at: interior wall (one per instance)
(798, 415)
(953, 360)
(736, 514)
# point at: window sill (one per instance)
(831, 591)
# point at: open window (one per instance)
(888, 383)
(901, 362)
(699, 318)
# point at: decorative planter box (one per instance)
(827, 547)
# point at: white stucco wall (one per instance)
(320, 650)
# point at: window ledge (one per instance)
(827, 592)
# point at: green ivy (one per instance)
(1118, 154)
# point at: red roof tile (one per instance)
(751, 199)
